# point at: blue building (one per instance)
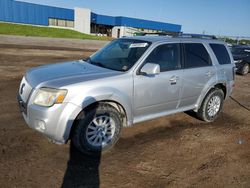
(80, 19)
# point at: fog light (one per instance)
(40, 125)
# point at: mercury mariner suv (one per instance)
(130, 80)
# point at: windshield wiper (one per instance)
(95, 62)
(98, 64)
(86, 59)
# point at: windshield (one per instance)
(238, 51)
(120, 54)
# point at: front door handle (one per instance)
(173, 80)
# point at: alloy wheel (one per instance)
(213, 106)
(100, 131)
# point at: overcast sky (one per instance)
(218, 17)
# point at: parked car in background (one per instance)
(241, 55)
(130, 80)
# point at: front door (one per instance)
(158, 94)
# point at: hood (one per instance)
(61, 74)
(239, 57)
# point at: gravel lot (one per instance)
(174, 151)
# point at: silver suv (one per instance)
(128, 81)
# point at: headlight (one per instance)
(49, 97)
(238, 61)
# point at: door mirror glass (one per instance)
(150, 69)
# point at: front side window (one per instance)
(196, 55)
(167, 56)
(120, 54)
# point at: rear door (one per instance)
(198, 71)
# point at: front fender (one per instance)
(106, 94)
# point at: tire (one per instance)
(97, 129)
(245, 69)
(211, 105)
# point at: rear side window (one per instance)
(221, 53)
(196, 55)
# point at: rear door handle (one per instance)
(223, 71)
(209, 74)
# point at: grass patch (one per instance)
(36, 31)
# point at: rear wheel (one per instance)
(211, 105)
(97, 129)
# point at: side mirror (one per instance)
(150, 69)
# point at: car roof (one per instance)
(156, 39)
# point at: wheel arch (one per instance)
(117, 105)
(220, 85)
(223, 87)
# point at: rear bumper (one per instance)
(230, 86)
(54, 122)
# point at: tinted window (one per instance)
(196, 55)
(237, 51)
(221, 53)
(240, 51)
(167, 56)
(120, 54)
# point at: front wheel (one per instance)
(245, 69)
(97, 129)
(211, 105)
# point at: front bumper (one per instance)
(239, 66)
(55, 122)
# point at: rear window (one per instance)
(196, 55)
(221, 53)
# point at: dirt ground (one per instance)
(174, 151)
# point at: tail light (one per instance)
(234, 72)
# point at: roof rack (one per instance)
(171, 34)
(180, 34)
(200, 36)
